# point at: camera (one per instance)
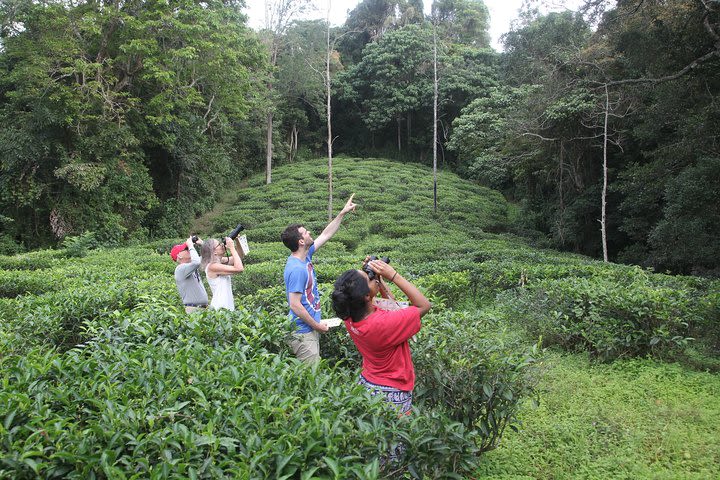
(233, 235)
(366, 267)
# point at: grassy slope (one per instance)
(630, 419)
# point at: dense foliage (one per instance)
(120, 118)
(645, 79)
(127, 120)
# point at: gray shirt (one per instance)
(187, 279)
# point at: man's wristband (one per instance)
(393, 277)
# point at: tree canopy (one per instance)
(116, 114)
(128, 118)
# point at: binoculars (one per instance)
(233, 235)
(366, 267)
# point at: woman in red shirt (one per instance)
(381, 336)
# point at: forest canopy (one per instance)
(128, 119)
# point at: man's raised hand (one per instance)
(349, 205)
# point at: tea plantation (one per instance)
(531, 364)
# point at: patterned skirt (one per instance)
(401, 399)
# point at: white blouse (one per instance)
(221, 287)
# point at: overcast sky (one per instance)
(502, 12)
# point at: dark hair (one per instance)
(291, 236)
(348, 298)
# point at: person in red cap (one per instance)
(187, 278)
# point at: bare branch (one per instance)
(691, 66)
(208, 109)
(540, 137)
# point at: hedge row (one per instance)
(159, 394)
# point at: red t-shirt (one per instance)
(382, 340)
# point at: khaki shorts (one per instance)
(194, 309)
(305, 346)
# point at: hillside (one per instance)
(104, 375)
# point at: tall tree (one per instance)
(393, 78)
(435, 113)
(279, 14)
(387, 76)
(300, 85)
(566, 120)
(674, 129)
(371, 19)
(109, 109)
(329, 115)
(535, 133)
(465, 22)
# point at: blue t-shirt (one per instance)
(300, 278)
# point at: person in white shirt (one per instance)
(220, 271)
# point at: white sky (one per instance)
(502, 12)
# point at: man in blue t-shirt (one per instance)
(301, 285)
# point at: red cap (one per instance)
(176, 250)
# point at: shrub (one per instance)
(183, 410)
(19, 282)
(78, 246)
(156, 396)
(450, 289)
(605, 318)
(271, 300)
(158, 322)
(473, 370)
(59, 318)
(337, 347)
(256, 277)
(33, 260)
(8, 246)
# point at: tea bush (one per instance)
(271, 300)
(32, 260)
(183, 411)
(19, 282)
(161, 395)
(66, 298)
(159, 322)
(451, 290)
(465, 366)
(58, 319)
(608, 319)
(261, 275)
(473, 370)
(267, 209)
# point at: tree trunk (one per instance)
(269, 149)
(399, 126)
(409, 130)
(561, 198)
(329, 118)
(435, 112)
(605, 177)
(293, 143)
